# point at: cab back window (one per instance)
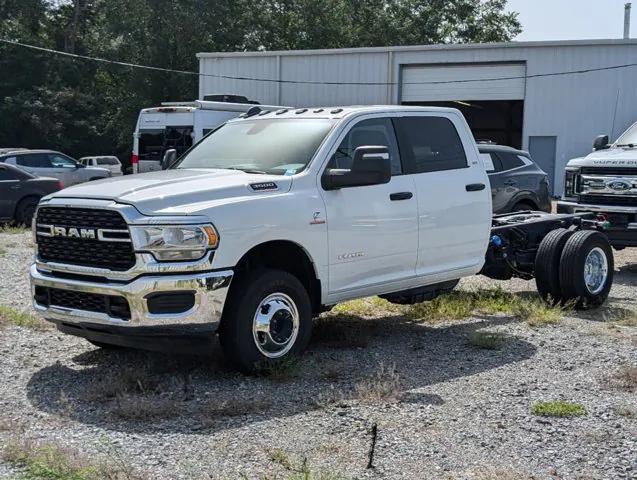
(429, 144)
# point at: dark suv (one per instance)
(517, 183)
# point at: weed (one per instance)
(14, 229)
(52, 462)
(280, 370)
(342, 331)
(135, 407)
(329, 397)
(625, 379)
(456, 305)
(3, 252)
(487, 340)
(297, 471)
(367, 307)
(382, 386)
(626, 411)
(558, 408)
(537, 313)
(9, 315)
(237, 407)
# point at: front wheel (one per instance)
(268, 318)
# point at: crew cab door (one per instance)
(372, 230)
(452, 191)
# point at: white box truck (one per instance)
(178, 125)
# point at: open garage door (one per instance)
(493, 108)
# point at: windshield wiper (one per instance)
(246, 170)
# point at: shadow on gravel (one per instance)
(132, 391)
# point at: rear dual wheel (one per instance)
(574, 268)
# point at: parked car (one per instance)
(4, 150)
(605, 182)
(109, 162)
(48, 163)
(276, 217)
(20, 193)
(517, 183)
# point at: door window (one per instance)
(7, 174)
(430, 144)
(60, 161)
(510, 161)
(107, 161)
(371, 132)
(34, 160)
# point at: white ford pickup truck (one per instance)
(606, 182)
(275, 217)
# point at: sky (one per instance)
(572, 19)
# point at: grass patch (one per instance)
(367, 307)
(558, 408)
(14, 229)
(382, 386)
(280, 370)
(487, 340)
(12, 316)
(461, 304)
(297, 470)
(343, 331)
(238, 407)
(52, 462)
(625, 379)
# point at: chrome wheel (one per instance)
(595, 270)
(275, 325)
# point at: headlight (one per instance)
(570, 182)
(175, 242)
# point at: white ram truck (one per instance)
(606, 182)
(277, 216)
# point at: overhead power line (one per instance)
(306, 82)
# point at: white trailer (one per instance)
(179, 125)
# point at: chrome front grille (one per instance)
(84, 236)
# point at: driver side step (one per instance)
(420, 294)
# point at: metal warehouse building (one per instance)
(505, 90)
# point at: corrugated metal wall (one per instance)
(573, 108)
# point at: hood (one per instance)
(612, 157)
(180, 191)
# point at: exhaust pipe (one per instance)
(627, 8)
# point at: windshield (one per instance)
(279, 146)
(629, 137)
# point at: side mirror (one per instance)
(600, 142)
(169, 158)
(371, 166)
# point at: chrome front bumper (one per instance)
(210, 289)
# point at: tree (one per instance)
(82, 107)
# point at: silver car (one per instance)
(48, 163)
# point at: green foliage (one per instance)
(86, 108)
(9, 315)
(558, 408)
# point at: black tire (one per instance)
(236, 330)
(547, 265)
(572, 269)
(523, 206)
(25, 210)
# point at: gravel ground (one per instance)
(458, 412)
